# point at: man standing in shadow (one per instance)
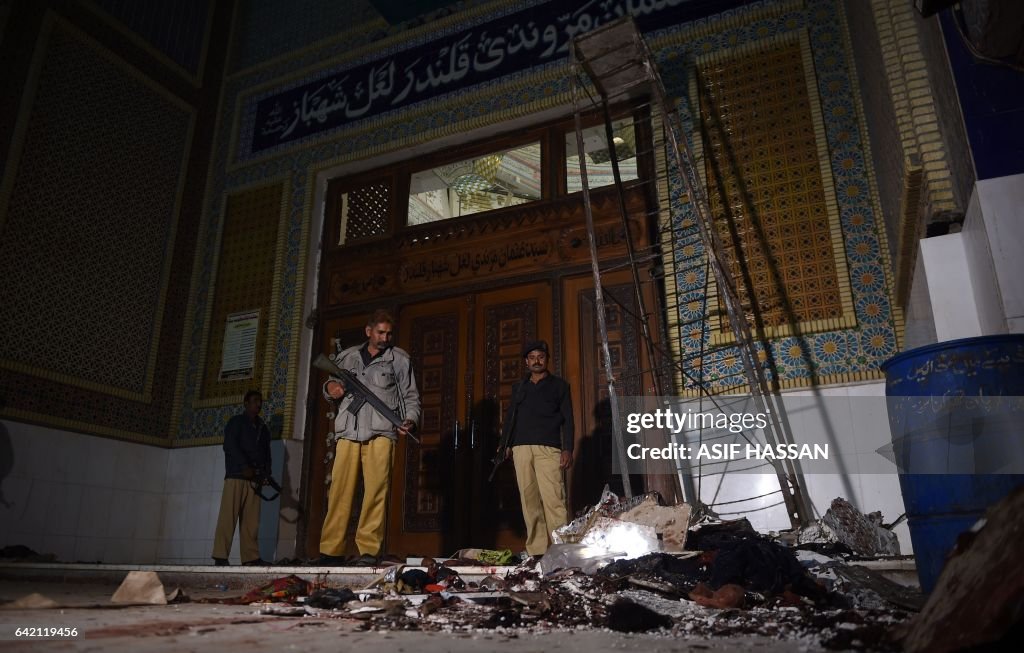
(246, 461)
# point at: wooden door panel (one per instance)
(424, 495)
(592, 466)
(505, 321)
(467, 354)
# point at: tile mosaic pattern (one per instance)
(845, 355)
(760, 145)
(76, 308)
(175, 28)
(245, 278)
(837, 355)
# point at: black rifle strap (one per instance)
(257, 487)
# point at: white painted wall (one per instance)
(968, 284)
(82, 498)
(91, 499)
(853, 421)
(195, 478)
(996, 219)
(919, 327)
(950, 289)
(984, 285)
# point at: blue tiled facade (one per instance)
(830, 356)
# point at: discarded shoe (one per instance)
(221, 562)
(331, 598)
(258, 562)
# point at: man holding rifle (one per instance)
(539, 428)
(366, 439)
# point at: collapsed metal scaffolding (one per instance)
(612, 65)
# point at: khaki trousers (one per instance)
(374, 458)
(541, 491)
(238, 502)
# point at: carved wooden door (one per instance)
(592, 467)
(467, 353)
(505, 321)
(426, 491)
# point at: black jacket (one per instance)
(541, 413)
(246, 447)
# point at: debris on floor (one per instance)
(331, 598)
(659, 592)
(500, 558)
(22, 553)
(730, 580)
(844, 524)
(585, 557)
(618, 528)
(146, 588)
(643, 510)
(285, 589)
(140, 587)
(627, 616)
(178, 595)
(626, 565)
(33, 601)
(866, 588)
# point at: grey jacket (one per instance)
(390, 377)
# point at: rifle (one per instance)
(360, 393)
(499, 457)
(506, 433)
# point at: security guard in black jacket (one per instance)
(246, 459)
(542, 431)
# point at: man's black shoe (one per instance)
(258, 562)
(366, 560)
(221, 562)
(329, 561)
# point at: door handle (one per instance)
(455, 437)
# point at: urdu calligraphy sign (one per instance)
(519, 41)
(477, 263)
